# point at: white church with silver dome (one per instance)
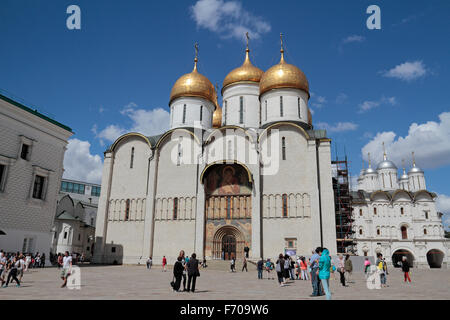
(254, 174)
(398, 217)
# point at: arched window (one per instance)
(132, 158)
(127, 210)
(283, 148)
(281, 106)
(360, 231)
(360, 212)
(404, 231)
(201, 113)
(241, 109)
(375, 211)
(402, 211)
(175, 208)
(285, 205)
(184, 114)
(299, 109)
(425, 231)
(426, 214)
(378, 232)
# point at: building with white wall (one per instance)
(73, 229)
(254, 173)
(398, 217)
(32, 148)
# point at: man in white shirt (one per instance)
(66, 268)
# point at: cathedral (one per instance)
(398, 217)
(250, 175)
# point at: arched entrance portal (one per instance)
(435, 258)
(228, 210)
(398, 256)
(228, 243)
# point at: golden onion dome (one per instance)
(217, 117)
(245, 73)
(193, 84)
(283, 75)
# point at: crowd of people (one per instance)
(14, 264)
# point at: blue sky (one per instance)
(116, 73)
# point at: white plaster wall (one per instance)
(193, 106)
(290, 105)
(251, 106)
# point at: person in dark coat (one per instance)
(193, 272)
(405, 269)
(178, 274)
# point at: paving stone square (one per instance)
(136, 282)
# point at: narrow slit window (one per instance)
(285, 206)
(299, 109)
(175, 209)
(184, 114)
(201, 113)
(132, 158)
(225, 112)
(241, 110)
(283, 148)
(265, 111)
(281, 106)
(127, 210)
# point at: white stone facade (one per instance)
(70, 231)
(31, 176)
(398, 218)
(162, 200)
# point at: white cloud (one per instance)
(429, 141)
(147, 122)
(368, 105)
(228, 18)
(407, 71)
(443, 205)
(341, 98)
(317, 101)
(338, 127)
(353, 38)
(80, 164)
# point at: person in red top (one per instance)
(303, 268)
(164, 263)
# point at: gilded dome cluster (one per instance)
(281, 75)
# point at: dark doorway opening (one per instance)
(228, 247)
(435, 258)
(398, 256)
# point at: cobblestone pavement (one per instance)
(136, 282)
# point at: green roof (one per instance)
(35, 112)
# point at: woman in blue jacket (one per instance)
(324, 271)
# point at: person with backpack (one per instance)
(269, 267)
(366, 267)
(324, 271)
(287, 268)
(259, 267)
(280, 269)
